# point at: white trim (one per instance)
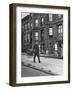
(63, 77)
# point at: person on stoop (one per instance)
(36, 52)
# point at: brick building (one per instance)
(46, 29)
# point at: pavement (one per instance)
(52, 66)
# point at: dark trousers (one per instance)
(37, 57)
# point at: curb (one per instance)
(52, 57)
(48, 56)
(39, 69)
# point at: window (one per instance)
(60, 29)
(25, 26)
(28, 37)
(51, 31)
(56, 48)
(42, 35)
(28, 25)
(42, 21)
(36, 23)
(50, 17)
(59, 15)
(36, 36)
(31, 25)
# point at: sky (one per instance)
(24, 14)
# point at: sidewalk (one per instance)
(48, 65)
(48, 56)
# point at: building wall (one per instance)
(47, 43)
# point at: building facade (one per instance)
(46, 29)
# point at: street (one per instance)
(29, 72)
